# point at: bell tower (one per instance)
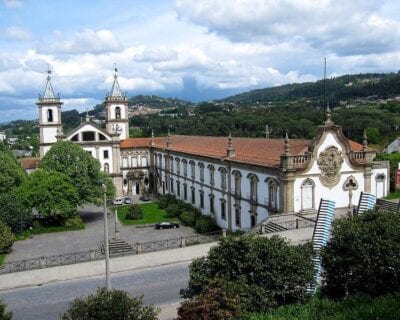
(50, 125)
(116, 105)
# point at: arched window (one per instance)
(307, 194)
(201, 167)
(88, 136)
(253, 179)
(223, 177)
(212, 170)
(117, 113)
(184, 162)
(238, 182)
(50, 115)
(178, 167)
(106, 168)
(192, 169)
(272, 200)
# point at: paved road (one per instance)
(159, 285)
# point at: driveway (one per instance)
(90, 238)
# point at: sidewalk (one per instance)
(96, 268)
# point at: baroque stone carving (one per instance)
(330, 162)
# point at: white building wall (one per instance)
(216, 190)
(49, 134)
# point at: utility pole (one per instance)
(324, 83)
(107, 253)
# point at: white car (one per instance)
(118, 201)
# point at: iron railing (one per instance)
(96, 254)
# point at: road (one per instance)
(159, 285)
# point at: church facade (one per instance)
(240, 181)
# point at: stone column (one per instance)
(287, 195)
(367, 179)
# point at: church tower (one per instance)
(116, 105)
(49, 117)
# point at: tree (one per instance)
(6, 238)
(4, 314)
(219, 301)
(272, 271)
(51, 193)
(109, 304)
(13, 211)
(134, 212)
(363, 255)
(11, 173)
(84, 171)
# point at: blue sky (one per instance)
(195, 50)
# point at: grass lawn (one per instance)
(151, 214)
(393, 195)
(2, 257)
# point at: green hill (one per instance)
(348, 87)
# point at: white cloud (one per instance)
(13, 3)
(341, 26)
(80, 104)
(16, 33)
(85, 41)
(156, 54)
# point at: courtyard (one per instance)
(90, 238)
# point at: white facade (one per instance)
(240, 196)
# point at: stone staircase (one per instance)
(117, 247)
(271, 226)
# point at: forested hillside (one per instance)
(348, 87)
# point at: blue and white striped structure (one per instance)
(367, 202)
(321, 235)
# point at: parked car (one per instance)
(167, 225)
(128, 200)
(118, 201)
(145, 197)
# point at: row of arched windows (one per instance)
(178, 165)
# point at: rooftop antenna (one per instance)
(324, 82)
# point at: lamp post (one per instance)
(108, 280)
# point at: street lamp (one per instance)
(107, 253)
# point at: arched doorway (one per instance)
(307, 194)
(253, 220)
(135, 182)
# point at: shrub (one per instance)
(75, 223)
(205, 224)
(162, 203)
(268, 272)
(188, 218)
(173, 211)
(219, 301)
(6, 238)
(109, 304)
(4, 315)
(134, 212)
(363, 255)
(166, 200)
(351, 308)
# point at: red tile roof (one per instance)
(247, 150)
(260, 151)
(29, 163)
(135, 143)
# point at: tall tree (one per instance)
(11, 173)
(51, 193)
(84, 171)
